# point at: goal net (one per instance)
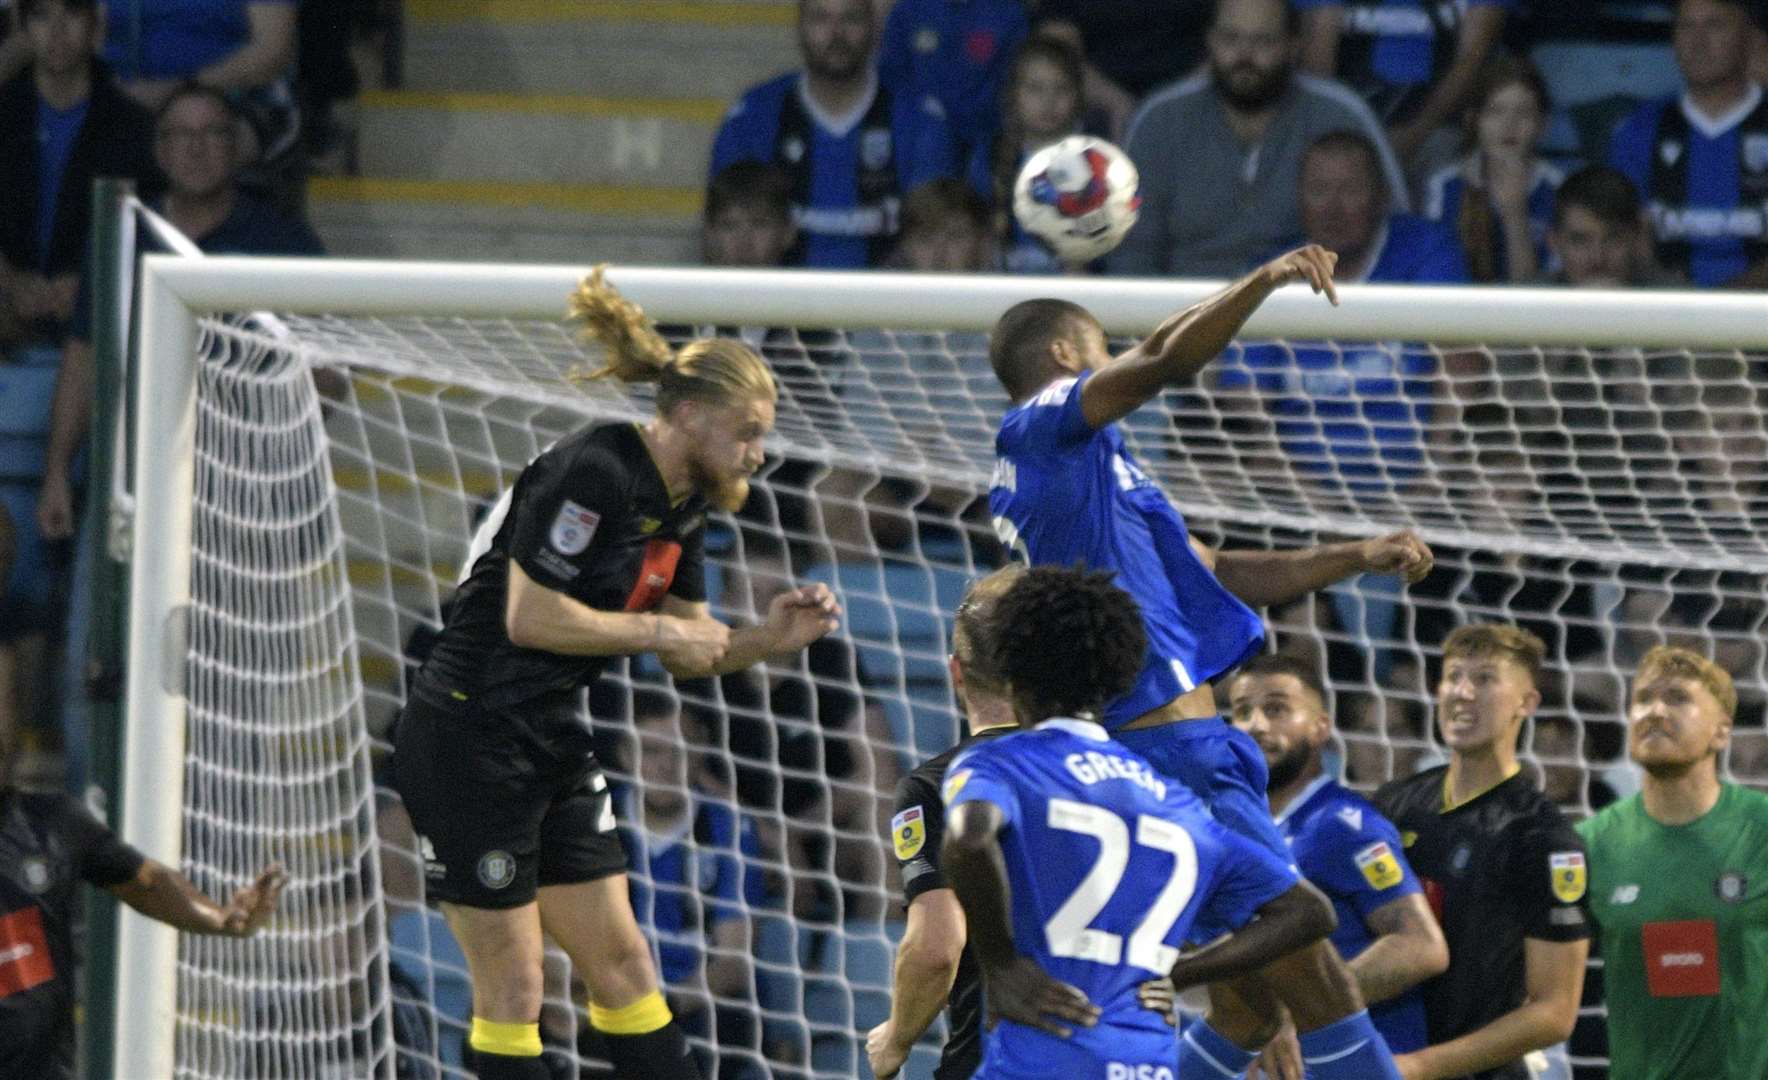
(1608, 496)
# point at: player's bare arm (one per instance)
(1298, 917)
(1261, 577)
(165, 895)
(1553, 982)
(685, 638)
(1015, 987)
(926, 965)
(1182, 345)
(1408, 949)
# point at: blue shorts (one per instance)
(1221, 765)
(1021, 1054)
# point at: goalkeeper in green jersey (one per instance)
(1679, 888)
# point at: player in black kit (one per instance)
(1502, 868)
(49, 843)
(596, 552)
(934, 969)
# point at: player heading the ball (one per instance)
(1080, 868)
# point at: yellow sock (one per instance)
(510, 1040)
(642, 1017)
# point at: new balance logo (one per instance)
(1624, 894)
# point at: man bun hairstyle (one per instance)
(1067, 641)
(714, 371)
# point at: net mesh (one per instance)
(1607, 499)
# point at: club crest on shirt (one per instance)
(1755, 152)
(1731, 887)
(1568, 875)
(874, 148)
(573, 529)
(647, 526)
(1380, 869)
(36, 874)
(908, 833)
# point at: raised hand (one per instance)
(1312, 264)
(252, 906)
(803, 615)
(1400, 553)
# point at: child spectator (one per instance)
(748, 218)
(1040, 104)
(1499, 198)
(945, 229)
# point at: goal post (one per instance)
(476, 353)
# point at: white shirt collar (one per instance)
(1713, 127)
(1086, 729)
(839, 126)
(1302, 797)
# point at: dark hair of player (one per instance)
(27, 8)
(755, 184)
(1511, 643)
(1675, 662)
(1345, 141)
(1066, 640)
(970, 626)
(1284, 664)
(1019, 348)
(713, 371)
(1602, 191)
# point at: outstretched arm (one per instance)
(1183, 344)
(1298, 917)
(1263, 577)
(164, 895)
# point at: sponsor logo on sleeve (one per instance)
(1379, 866)
(908, 832)
(1568, 875)
(573, 529)
(955, 783)
(1681, 958)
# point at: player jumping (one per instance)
(1080, 868)
(1067, 490)
(597, 552)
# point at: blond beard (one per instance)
(730, 495)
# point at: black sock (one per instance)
(504, 1067)
(656, 1055)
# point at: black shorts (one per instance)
(495, 819)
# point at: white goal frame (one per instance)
(175, 291)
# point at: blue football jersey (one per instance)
(1343, 845)
(1109, 864)
(1064, 493)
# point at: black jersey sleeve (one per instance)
(102, 858)
(562, 506)
(690, 570)
(915, 835)
(1552, 876)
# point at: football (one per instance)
(1078, 196)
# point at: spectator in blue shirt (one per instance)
(956, 51)
(1041, 105)
(1386, 932)
(852, 145)
(1344, 208)
(1700, 162)
(697, 880)
(62, 124)
(1499, 198)
(234, 45)
(1415, 61)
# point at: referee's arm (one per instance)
(1553, 981)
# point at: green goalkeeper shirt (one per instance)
(1682, 917)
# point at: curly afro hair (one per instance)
(1066, 641)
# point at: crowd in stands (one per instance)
(1416, 139)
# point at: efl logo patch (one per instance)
(1681, 958)
(908, 832)
(955, 783)
(573, 529)
(1380, 869)
(24, 952)
(1569, 876)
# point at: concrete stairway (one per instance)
(550, 130)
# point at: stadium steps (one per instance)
(545, 130)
